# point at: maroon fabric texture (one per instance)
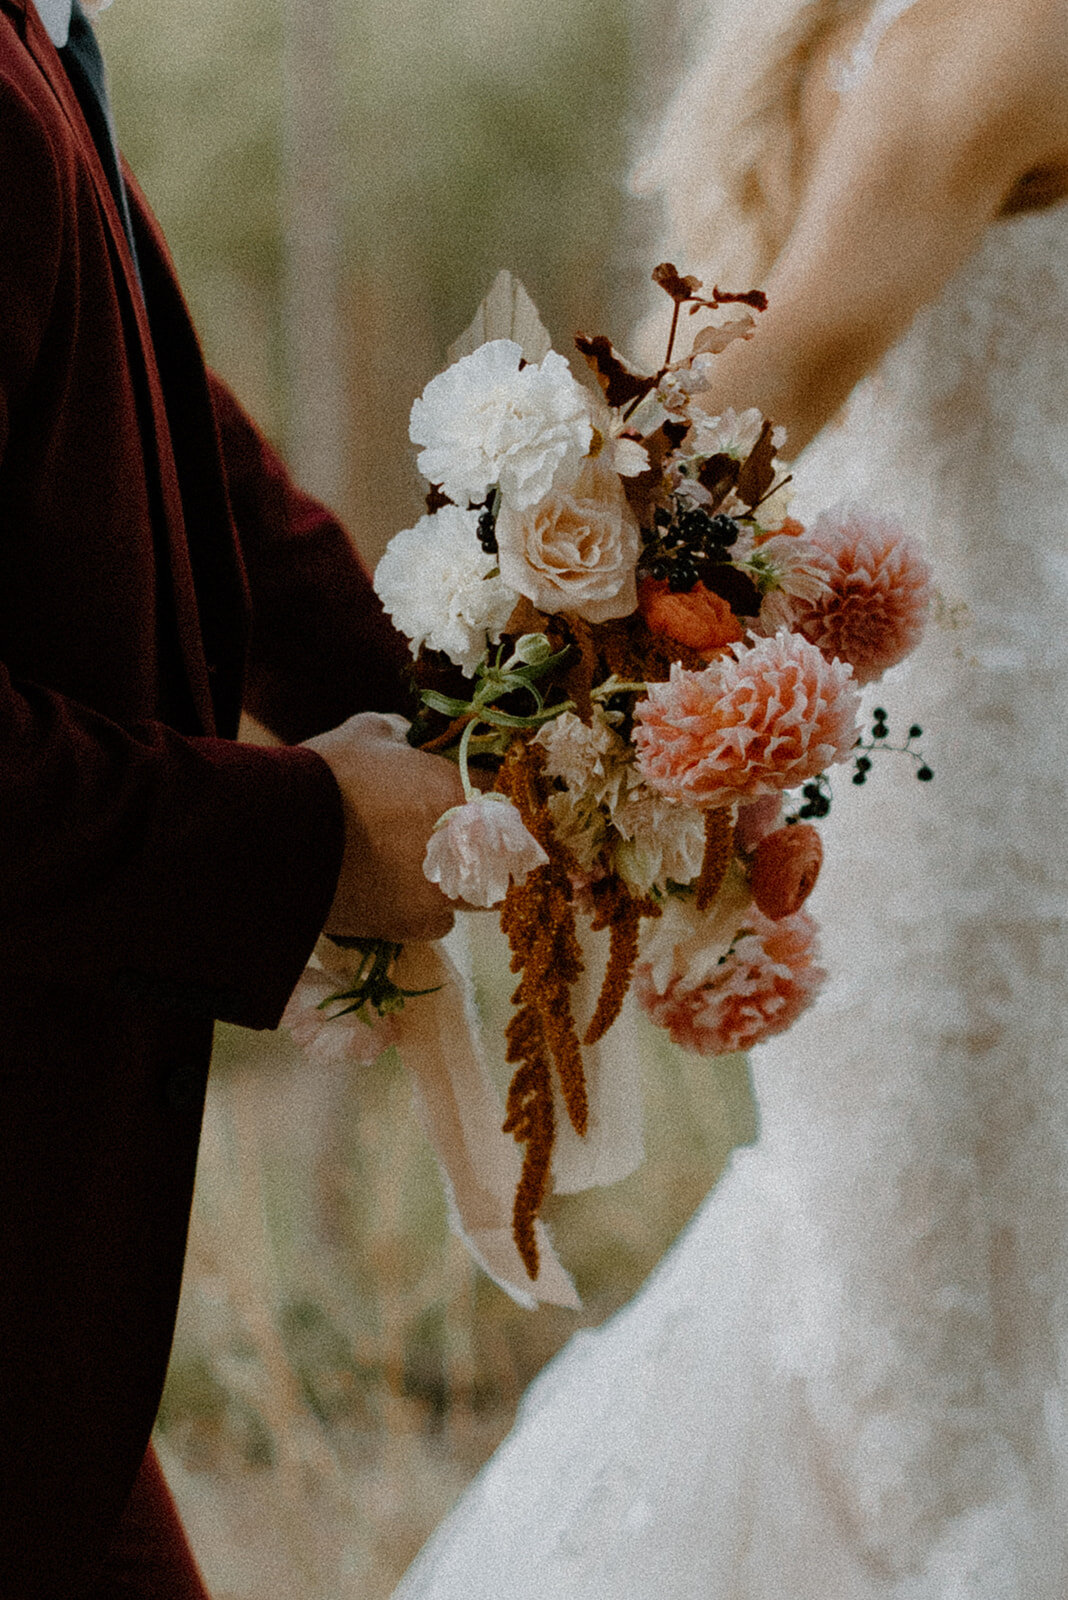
(149, 1557)
(155, 562)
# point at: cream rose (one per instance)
(576, 549)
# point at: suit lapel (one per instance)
(159, 457)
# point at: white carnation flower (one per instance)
(433, 580)
(476, 848)
(590, 758)
(661, 840)
(484, 421)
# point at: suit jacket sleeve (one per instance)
(189, 871)
(321, 646)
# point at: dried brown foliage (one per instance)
(684, 291)
(757, 472)
(617, 909)
(619, 380)
(719, 848)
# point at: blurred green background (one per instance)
(339, 185)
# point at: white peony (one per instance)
(484, 421)
(476, 848)
(433, 580)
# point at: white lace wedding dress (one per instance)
(849, 1378)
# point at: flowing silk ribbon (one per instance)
(445, 1046)
(461, 1113)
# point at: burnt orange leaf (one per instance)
(669, 278)
(617, 378)
(758, 472)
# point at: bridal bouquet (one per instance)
(644, 667)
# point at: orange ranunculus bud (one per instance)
(700, 619)
(784, 869)
(790, 526)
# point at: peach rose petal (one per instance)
(700, 619)
(575, 550)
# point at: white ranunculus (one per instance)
(575, 550)
(433, 580)
(476, 848)
(484, 421)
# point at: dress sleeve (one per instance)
(322, 647)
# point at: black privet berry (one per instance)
(925, 774)
(915, 732)
(879, 730)
(860, 778)
(863, 764)
(487, 532)
(879, 714)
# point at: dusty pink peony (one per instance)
(769, 978)
(875, 610)
(762, 718)
(476, 848)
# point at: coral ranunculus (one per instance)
(784, 869)
(700, 619)
(875, 610)
(769, 978)
(760, 719)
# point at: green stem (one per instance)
(465, 740)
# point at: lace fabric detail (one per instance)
(847, 1379)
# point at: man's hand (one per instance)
(392, 795)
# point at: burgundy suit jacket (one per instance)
(157, 570)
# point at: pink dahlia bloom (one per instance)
(875, 610)
(769, 978)
(476, 848)
(763, 718)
